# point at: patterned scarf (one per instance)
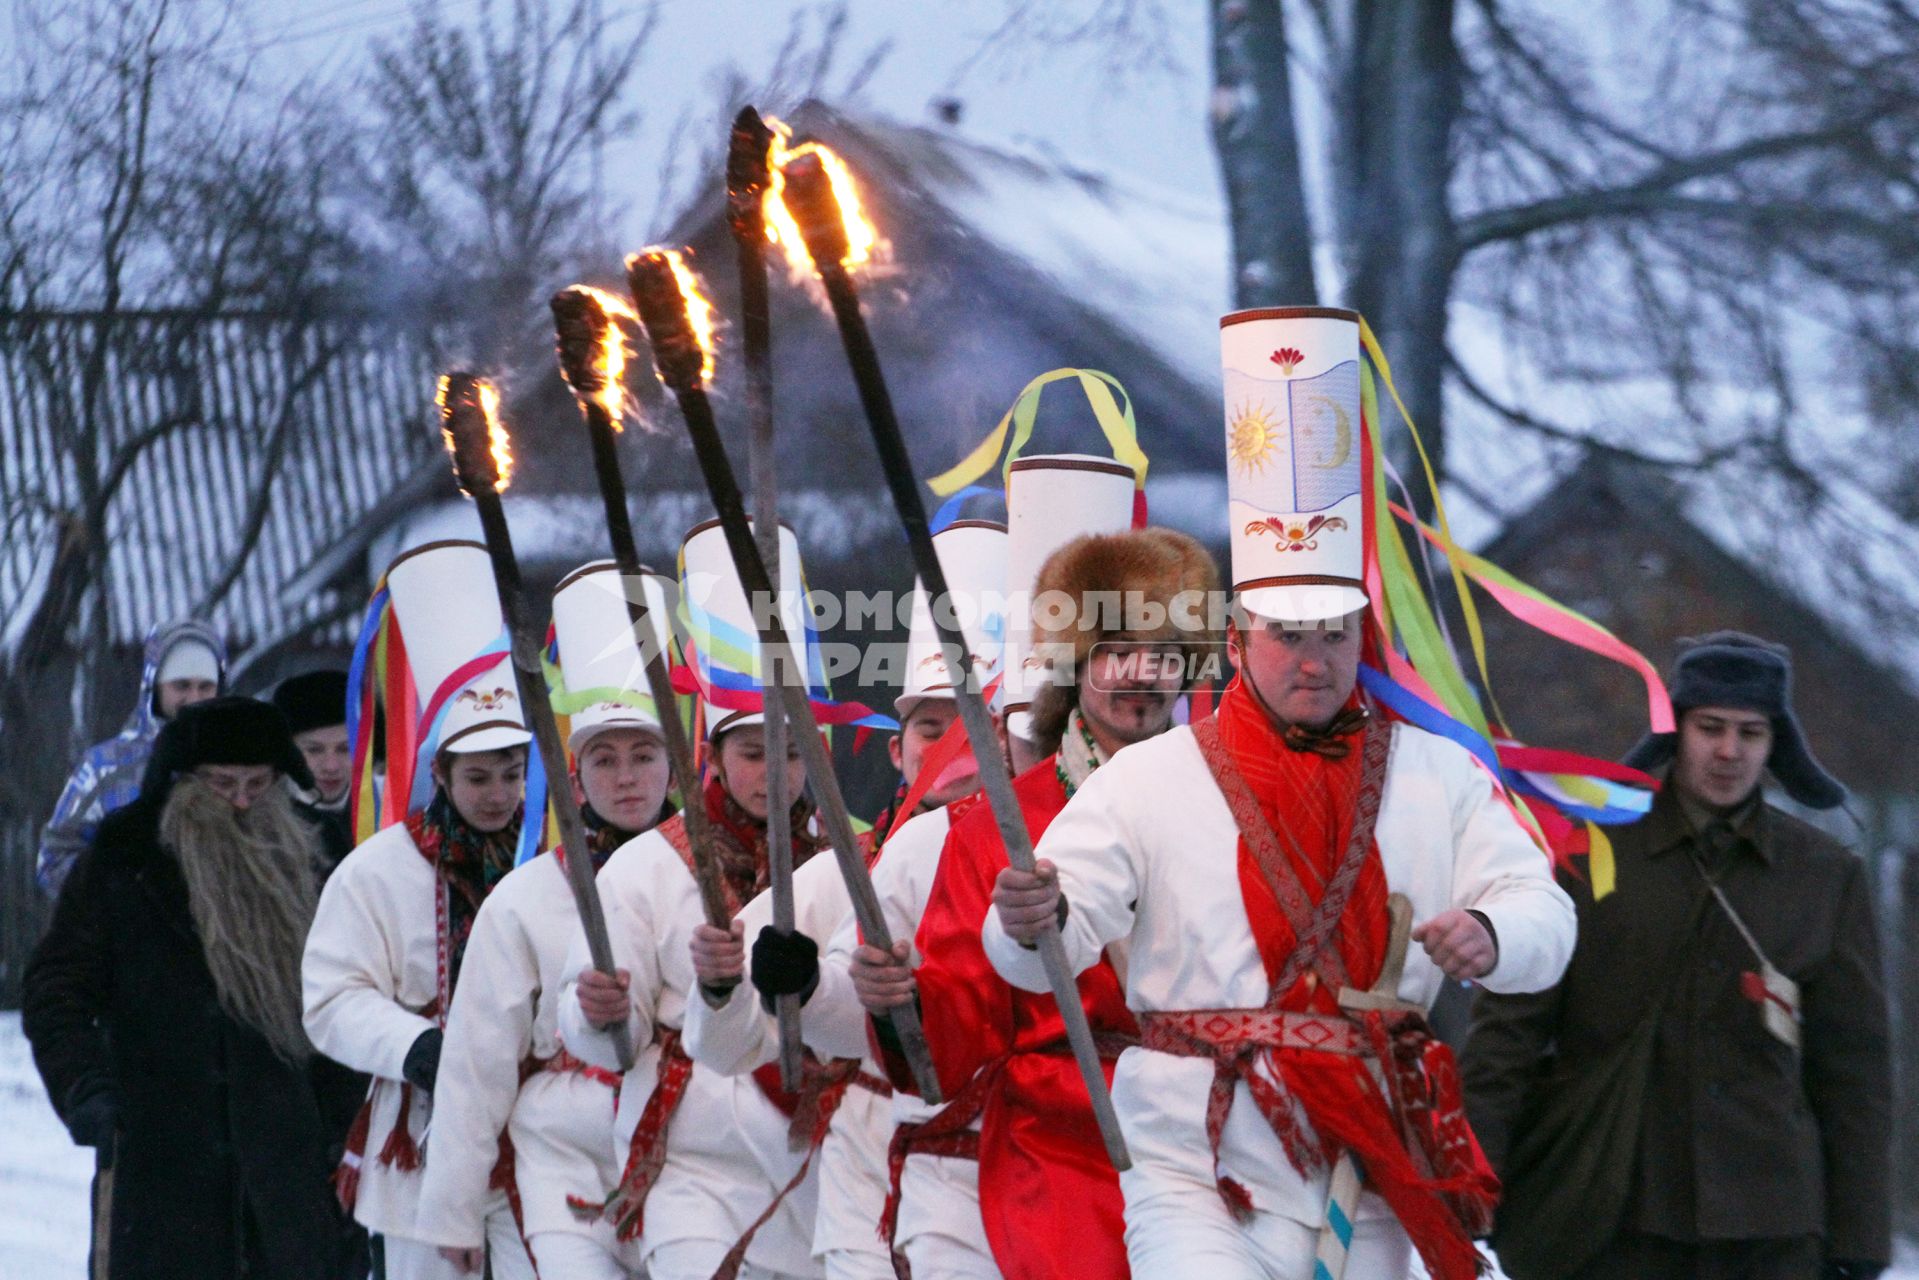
(1078, 754)
(742, 841)
(468, 861)
(883, 820)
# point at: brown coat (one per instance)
(1739, 1137)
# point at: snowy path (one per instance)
(44, 1178)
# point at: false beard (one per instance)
(251, 888)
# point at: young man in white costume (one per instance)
(504, 1072)
(733, 1029)
(701, 1155)
(1257, 1069)
(389, 940)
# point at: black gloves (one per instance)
(785, 964)
(94, 1121)
(422, 1063)
(1840, 1269)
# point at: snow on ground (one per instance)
(43, 1176)
(44, 1179)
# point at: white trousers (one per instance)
(857, 1264)
(1192, 1234)
(942, 1257)
(418, 1260)
(698, 1260)
(940, 1231)
(569, 1255)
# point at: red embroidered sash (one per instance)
(399, 1151)
(564, 1063)
(625, 1208)
(823, 1087)
(809, 1111)
(1314, 927)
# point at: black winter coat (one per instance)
(220, 1165)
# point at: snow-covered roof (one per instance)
(1153, 261)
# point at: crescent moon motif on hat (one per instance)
(1343, 429)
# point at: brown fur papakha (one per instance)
(1152, 585)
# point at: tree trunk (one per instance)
(1258, 148)
(1396, 105)
(1905, 998)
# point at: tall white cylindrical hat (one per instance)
(600, 657)
(1051, 499)
(448, 611)
(721, 631)
(972, 554)
(1293, 461)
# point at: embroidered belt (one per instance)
(564, 1063)
(399, 1151)
(1234, 1040)
(1227, 1033)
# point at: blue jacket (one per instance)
(108, 775)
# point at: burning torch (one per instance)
(592, 355)
(747, 179)
(482, 463)
(678, 324)
(810, 179)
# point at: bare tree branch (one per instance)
(1638, 195)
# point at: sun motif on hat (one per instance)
(1252, 437)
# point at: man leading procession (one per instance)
(1252, 907)
(1177, 1028)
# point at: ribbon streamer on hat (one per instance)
(1564, 799)
(1116, 422)
(722, 667)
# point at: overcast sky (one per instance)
(1149, 117)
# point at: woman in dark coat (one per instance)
(163, 1009)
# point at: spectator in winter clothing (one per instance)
(315, 707)
(163, 1007)
(1707, 1093)
(185, 662)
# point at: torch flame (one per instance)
(699, 310)
(863, 241)
(498, 442)
(612, 355)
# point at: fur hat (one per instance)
(316, 700)
(1735, 670)
(225, 730)
(1097, 588)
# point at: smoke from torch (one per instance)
(475, 437)
(592, 347)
